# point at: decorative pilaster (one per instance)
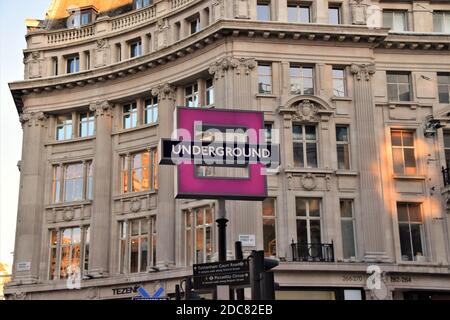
(34, 63)
(27, 251)
(101, 216)
(372, 208)
(218, 10)
(102, 52)
(165, 219)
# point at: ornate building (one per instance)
(357, 89)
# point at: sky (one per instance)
(12, 42)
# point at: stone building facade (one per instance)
(358, 90)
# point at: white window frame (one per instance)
(301, 79)
(151, 107)
(353, 221)
(132, 113)
(308, 218)
(304, 143)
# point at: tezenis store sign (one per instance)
(219, 139)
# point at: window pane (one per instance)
(348, 239)
(334, 15)
(415, 214)
(410, 161)
(302, 235)
(199, 245)
(144, 254)
(343, 157)
(404, 92)
(311, 155)
(298, 155)
(297, 132)
(396, 138)
(346, 208)
(310, 132)
(405, 242)
(305, 15)
(269, 207)
(134, 256)
(397, 156)
(342, 134)
(269, 237)
(402, 212)
(292, 13)
(300, 207)
(208, 244)
(263, 11)
(408, 139)
(416, 238)
(315, 231)
(314, 208)
(447, 139)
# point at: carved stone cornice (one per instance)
(33, 119)
(240, 65)
(165, 91)
(363, 71)
(101, 108)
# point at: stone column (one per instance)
(101, 216)
(165, 220)
(372, 209)
(27, 251)
(61, 65)
(124, 51)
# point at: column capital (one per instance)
(239, 64)
(101, 108)
(165, 91)
(32, 118)
(361, 71)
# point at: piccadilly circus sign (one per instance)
(219, 138)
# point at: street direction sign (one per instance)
(229, 273)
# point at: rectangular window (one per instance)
(305, 146)
(209, 92)
(139, 4)
(73, 64)
(343, 147)
(194, 25)
(302, 80)
(265, 78)
(395, 19)
(399, 86)
(130, 112)
(137, 245)
(140, 172)
(263, 10)
(72, 182)
(334, 14)
(151, 110)
(339, 82)
(300, 13)
(348, 229)
(199, 235)
(268, 127)
(411, 231)
(69, 252)
(86, 18)
(136, 49)
(191, 96)
(87, 124)
(441, 21)
(64, 127)
(308, 221)
(269, 227)
(444, 87)
(403, 153)
(447, 148)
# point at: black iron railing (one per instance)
(312, 252)
(446, 176)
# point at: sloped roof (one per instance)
(58, 8)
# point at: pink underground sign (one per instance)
(190, 186)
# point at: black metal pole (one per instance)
(240, 295)
(222, 229)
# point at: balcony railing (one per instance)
(312, 252)
(446, 176)
(178, 3)
(71, 35)
(133, 18)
